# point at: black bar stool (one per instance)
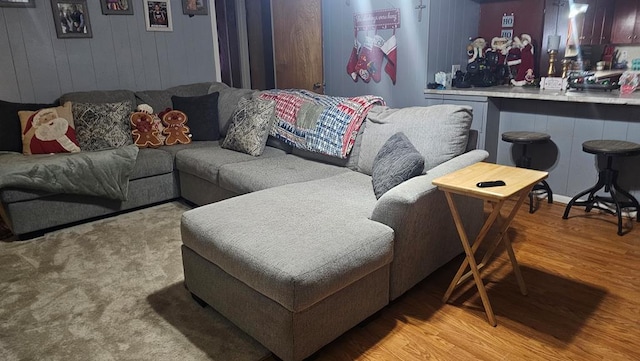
(526, 138)
(608, 179)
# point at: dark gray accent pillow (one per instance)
(160, 100)
(397, 161)
(250, 126)
(10, 131)
(202, 112)
(102, 126)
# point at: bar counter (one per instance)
(570, 118)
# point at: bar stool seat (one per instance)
(608, 179)
(525, 138)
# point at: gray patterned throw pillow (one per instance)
(250, 126)
(397, 161)
(102, 126)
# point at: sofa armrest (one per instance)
(425, 235)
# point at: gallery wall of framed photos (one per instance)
(60, 46)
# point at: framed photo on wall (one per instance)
(157, 15)
(18, 3)
(117, 7)
(195, 7)
(71, 18)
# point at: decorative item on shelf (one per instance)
(553, 44)
(553, 83)
(566, 64)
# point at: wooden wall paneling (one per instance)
(38, 46)
(8, 74)
(561, 128)
(173, 59)
(139, 50)
(123, 50)
(19, 53)
(103, 53)
(197, 66)
(83, 76)
(150, 54)
(61, 59)
(582, 169)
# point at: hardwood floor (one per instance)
(583, 301)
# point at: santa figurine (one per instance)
(525, 74)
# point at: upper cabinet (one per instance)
(591, 22)
(626, 24)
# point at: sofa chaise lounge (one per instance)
(291, 246)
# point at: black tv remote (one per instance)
(490, 184)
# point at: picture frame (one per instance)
(157, 15)
(116, 7)
(195, 7)
(71, 18)
(18, 3)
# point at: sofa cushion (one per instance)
(174, 149)
(438, 132)
(49, 130)
(397, 161)
(261, 174)
(250, 126)
(102, 126)
(160, 100)
(318, 242)
(11, 135)
(228, 104)
(151, 162)
(99, 96)
(202, 111)
(205, 163)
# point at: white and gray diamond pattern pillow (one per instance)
(102, 126)
(250, 126)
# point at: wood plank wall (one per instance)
(36, 66)
(426, 45)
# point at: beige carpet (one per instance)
(110, 290)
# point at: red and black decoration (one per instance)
(367, 57)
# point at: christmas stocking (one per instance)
(353, 60)
(377, 56)
(389, 49)
(364, 59)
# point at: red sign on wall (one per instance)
(377, 20)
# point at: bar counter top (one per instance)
(534, 93)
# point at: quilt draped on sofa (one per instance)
(319, 123)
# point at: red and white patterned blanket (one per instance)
(319, 123)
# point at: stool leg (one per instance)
(618, 209)
(547, 189)
(589, 202)
(632, 200)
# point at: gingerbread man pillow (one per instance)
(175, 127)
(143, 130)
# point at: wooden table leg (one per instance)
(504, 223)
(470, 259)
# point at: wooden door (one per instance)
(297, 44)
(624, 21)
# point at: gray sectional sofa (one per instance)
(291, 246)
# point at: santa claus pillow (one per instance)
(49, 130)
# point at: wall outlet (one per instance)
(623, 55)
